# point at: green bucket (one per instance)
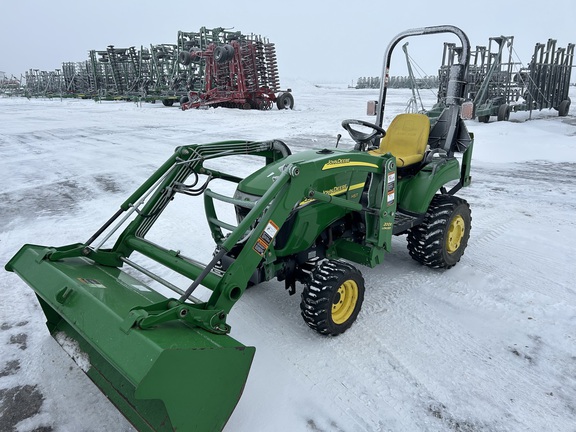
(171, 377)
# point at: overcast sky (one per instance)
(328, 41)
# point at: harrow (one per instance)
(242, 73)
(497, 85)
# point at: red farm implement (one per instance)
(241, 73)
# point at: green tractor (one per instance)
(306, 217)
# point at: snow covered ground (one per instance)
(489, 345)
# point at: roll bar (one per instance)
(456, 83)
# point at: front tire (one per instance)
(440, 240)
(332, 299)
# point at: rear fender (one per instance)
(416, 193)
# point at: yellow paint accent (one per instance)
(329, 165)
(356, 186)
(336, 190)
(347, 298)
(455, 234)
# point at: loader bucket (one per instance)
(171, 377)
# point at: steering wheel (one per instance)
(363, 139)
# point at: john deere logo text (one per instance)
(337, 161)
(336, 190)
(340, 163)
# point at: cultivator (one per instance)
(169, 72)
(548, 77)
(10, 86)
(498, 85)
(44, 83)
(117, 72)
(242, 73)
(163, 78)
(189, 42)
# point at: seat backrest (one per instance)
(406, 138)
(441, 130)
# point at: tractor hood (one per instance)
(332, 172)
(260, 181)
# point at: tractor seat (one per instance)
(406, 138)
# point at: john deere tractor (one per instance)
(308, 218)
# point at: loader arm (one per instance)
(131, 340)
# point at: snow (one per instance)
(488, 345)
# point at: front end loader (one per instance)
(302, 218)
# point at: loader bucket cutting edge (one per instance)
(172, 377)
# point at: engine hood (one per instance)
(260, 181)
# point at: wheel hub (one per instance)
(455, 234)
(344, 302)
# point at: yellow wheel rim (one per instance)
(455, 234)
(345, 302)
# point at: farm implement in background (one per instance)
(211, 67)
(240, 73)
(497, 85)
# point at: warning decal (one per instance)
(266, 238)
(390, 186)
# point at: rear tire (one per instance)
(332, 299)
(285, 101)
(440, 240)
(484, 119)
(504, 112)
(564, 107)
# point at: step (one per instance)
(404, 221)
